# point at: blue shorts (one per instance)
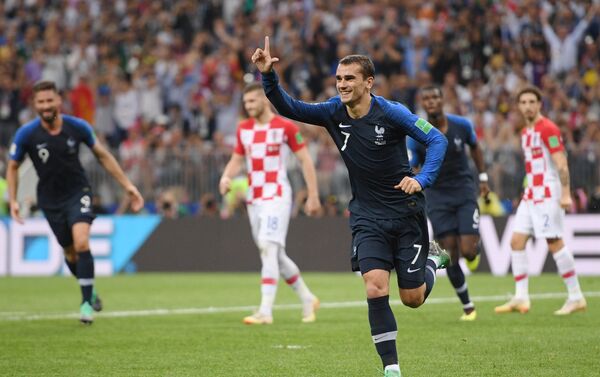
(401, 244)
(452, 213)
(77, 210)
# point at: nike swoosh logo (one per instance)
(410, 271)
(376, 339)
(344, 125)
(40, 146)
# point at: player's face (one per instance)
(47, 103)
(351, 84)
(432, 102)
(254, 103)
(529, 106)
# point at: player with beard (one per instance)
(63, 192)
(452, 199)
(261, 142)
(541, 212)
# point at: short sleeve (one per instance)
(88, 134)
(17, 148)
(239, 147)
(294, 138)
(551, 137)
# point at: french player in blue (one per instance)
(63, 192)
(388, 223)
(452, 199)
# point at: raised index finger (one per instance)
(266, 45)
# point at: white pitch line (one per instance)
(23, 316)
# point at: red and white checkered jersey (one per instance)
(539, 143)
(263, 147)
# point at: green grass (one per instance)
(431, 340)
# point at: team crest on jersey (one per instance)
(379, 131)
(458, 144)
(71, 144)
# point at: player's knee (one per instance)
(80, 246)
(516, 244)
(412, 301)
(70, 254)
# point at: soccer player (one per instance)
(389, 228)
(452, 199)
(261, 144)
(542, 209)
(63, 192)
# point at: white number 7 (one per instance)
(418, 247)
(347, 134)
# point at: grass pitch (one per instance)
(190, 325)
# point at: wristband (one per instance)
(483, 177)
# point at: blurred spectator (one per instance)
(171, 73)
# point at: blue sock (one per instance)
(383, 329)
(430, 269)
(457, 278)
(85, 275)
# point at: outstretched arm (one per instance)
(313, 204)
(112, 166)
(12, 178)
(287, 106)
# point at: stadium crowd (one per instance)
(161, 81)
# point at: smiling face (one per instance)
(351, 83)
(47, 104)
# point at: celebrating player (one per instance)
(63, 192)
(388, 222)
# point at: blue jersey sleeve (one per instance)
(312, 113)
(17, 148)
(426, 134)
(415, 155)
(471, 136)
(87, 132)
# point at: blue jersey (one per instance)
(455, 173)
(373, 148)
(55, 158)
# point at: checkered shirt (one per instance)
(539, 143)
(263, 147)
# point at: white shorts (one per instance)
(541, 220)
(269, 220)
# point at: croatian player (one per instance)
(261, 144)
(541, 212)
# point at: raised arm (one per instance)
(286, 105)
(112, 166)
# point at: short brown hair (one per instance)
(252, 87)
(367, 68)
(44, 85)
(532, 90)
